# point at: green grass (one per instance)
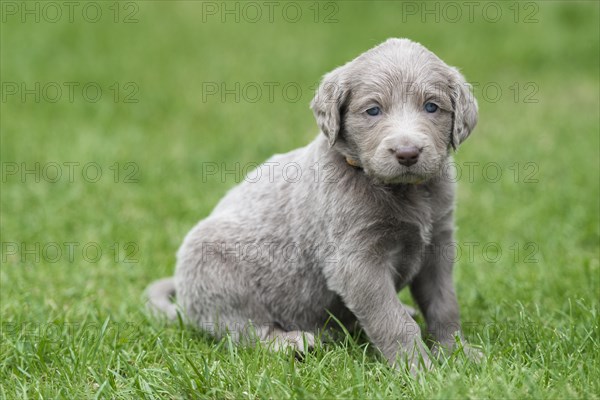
(75, 327)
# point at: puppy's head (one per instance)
(396, 110)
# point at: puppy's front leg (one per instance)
(368, 291)
(433, 290)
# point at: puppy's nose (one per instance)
(407, 155)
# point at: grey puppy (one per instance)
(340, 226)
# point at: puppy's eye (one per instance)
(373, 111)
(431, 107)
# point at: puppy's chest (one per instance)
(410, 230)
(404, 254)
(409, 215)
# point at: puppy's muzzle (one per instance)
(406, 155)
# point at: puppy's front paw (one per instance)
(423, 364)
(472, 353)
(415, 361)
(441, 351)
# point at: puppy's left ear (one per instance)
(465, 109)
(328, 102)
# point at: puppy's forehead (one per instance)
(399, 51)
(398, 62)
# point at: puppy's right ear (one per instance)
(465, 109)
(328, 102)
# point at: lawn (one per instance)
(122, 124)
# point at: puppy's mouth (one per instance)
(406, 177)
(397, 176)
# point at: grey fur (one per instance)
(288, 246)
(159, 295)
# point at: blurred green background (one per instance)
(158, 122)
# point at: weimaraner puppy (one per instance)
(339, 227)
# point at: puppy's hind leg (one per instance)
(277, 339)
(268, 334)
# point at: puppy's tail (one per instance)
(159, 295)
